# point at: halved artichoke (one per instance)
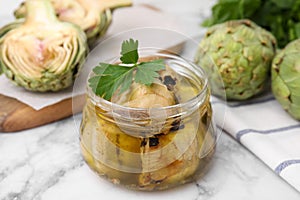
(93, 16)
(42, 53)
(286, 78)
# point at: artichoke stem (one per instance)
(40, 11)
(112, 4)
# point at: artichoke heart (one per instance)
(143, 96)
(240, 53)
(42, 53)
(286, 78)
(93, 16)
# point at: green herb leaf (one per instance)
(129, 52)
(110, 78)
(146, 72)
(285, 4)
(248, 7)
(280, 17)
(297, 30)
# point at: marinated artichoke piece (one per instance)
(286, 78)
(241, 53)
(93, 16)
(42, 53)
(142, 96)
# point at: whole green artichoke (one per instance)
(93, 16)
(240, 53)
(286, 78)
(42, 53)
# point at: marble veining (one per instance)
(36, 162)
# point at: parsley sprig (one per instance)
(109, 78)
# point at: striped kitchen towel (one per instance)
(263, 127)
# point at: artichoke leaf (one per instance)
(294, 111)
(281, 91)
(286, 78)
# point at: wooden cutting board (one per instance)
(17, 116)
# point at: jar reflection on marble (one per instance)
(152, 147)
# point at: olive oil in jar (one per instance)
(152, 137)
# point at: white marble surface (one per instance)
(45, 163)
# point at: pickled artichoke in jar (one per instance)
(151, 136)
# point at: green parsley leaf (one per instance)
(280, 17)
(110, 78)
(146, 72)
(129, 52)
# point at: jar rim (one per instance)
(200, 97)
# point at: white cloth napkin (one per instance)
(269, 132)
(262, 126)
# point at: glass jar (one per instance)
(152, 148)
